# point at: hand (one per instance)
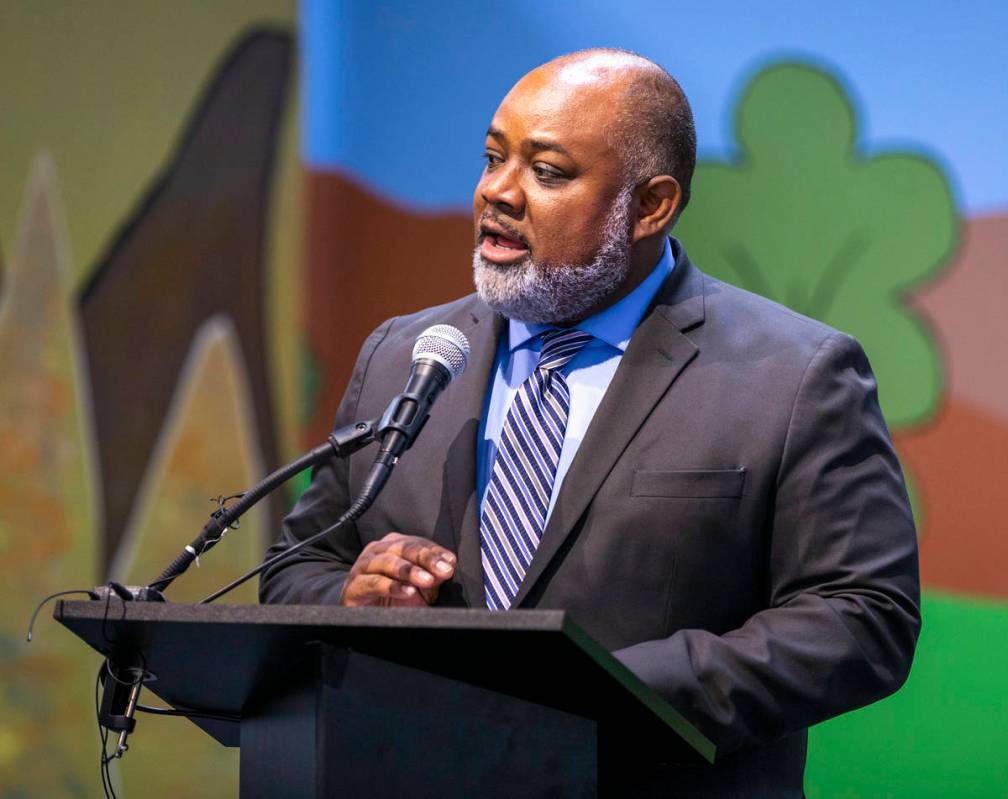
(398, 571)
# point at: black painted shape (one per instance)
(194, 248)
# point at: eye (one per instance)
(492, 159)
(547, 173)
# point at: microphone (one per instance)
(440, 354)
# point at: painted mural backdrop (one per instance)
(149, 269)
(161, 344)
(852, 166)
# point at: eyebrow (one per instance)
(536, 144)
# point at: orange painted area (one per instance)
(368, 260)
(960, 466)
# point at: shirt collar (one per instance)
(613, 325)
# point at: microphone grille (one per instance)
(445, 344)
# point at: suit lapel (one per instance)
(657, 353)
(464, 402)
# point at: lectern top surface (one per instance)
(220, 657)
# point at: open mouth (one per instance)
(499, 247)
(505, 242)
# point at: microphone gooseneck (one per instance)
(440, 354)
(340, 444)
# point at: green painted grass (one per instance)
(945, 734)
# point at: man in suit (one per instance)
(717, 500)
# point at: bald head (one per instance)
(651, 127)
(588, 163)
(598, 66)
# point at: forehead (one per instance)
(572, 105)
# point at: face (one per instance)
(551, 212)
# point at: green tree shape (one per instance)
(804, 219)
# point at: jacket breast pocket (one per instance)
(689, 484)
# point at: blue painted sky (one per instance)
(399, 94)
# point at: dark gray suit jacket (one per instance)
(734, 526)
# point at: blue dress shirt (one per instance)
(588, 374)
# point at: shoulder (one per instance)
(462, 313)
(741, 322)
(397, 335)
(729, 322)
(756, 351)
(751, 311)
(384, 358)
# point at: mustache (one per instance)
(507, 227)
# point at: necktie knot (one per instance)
(559, 346)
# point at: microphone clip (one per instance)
(406, 414)
(127, 593)
(121, 682)
(347, 440)
(409, 411)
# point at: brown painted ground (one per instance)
(960, 459)
(368, 260)
(961, 464)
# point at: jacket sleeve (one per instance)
(315, 575)
(842, 614)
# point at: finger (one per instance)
(382, 585)
(377, 589)
(391, 565)
(437, 560)
(400, 543)
(373, 550)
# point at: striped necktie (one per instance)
(518, 496)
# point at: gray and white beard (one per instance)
(543, 293)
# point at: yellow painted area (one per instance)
(106, 89)
(47, 534)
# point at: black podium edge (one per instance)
(457, 618)
(644, 693)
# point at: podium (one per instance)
(329, 701)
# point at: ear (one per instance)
(659, 201)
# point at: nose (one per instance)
(501, 188)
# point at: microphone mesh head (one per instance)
(446, 345)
